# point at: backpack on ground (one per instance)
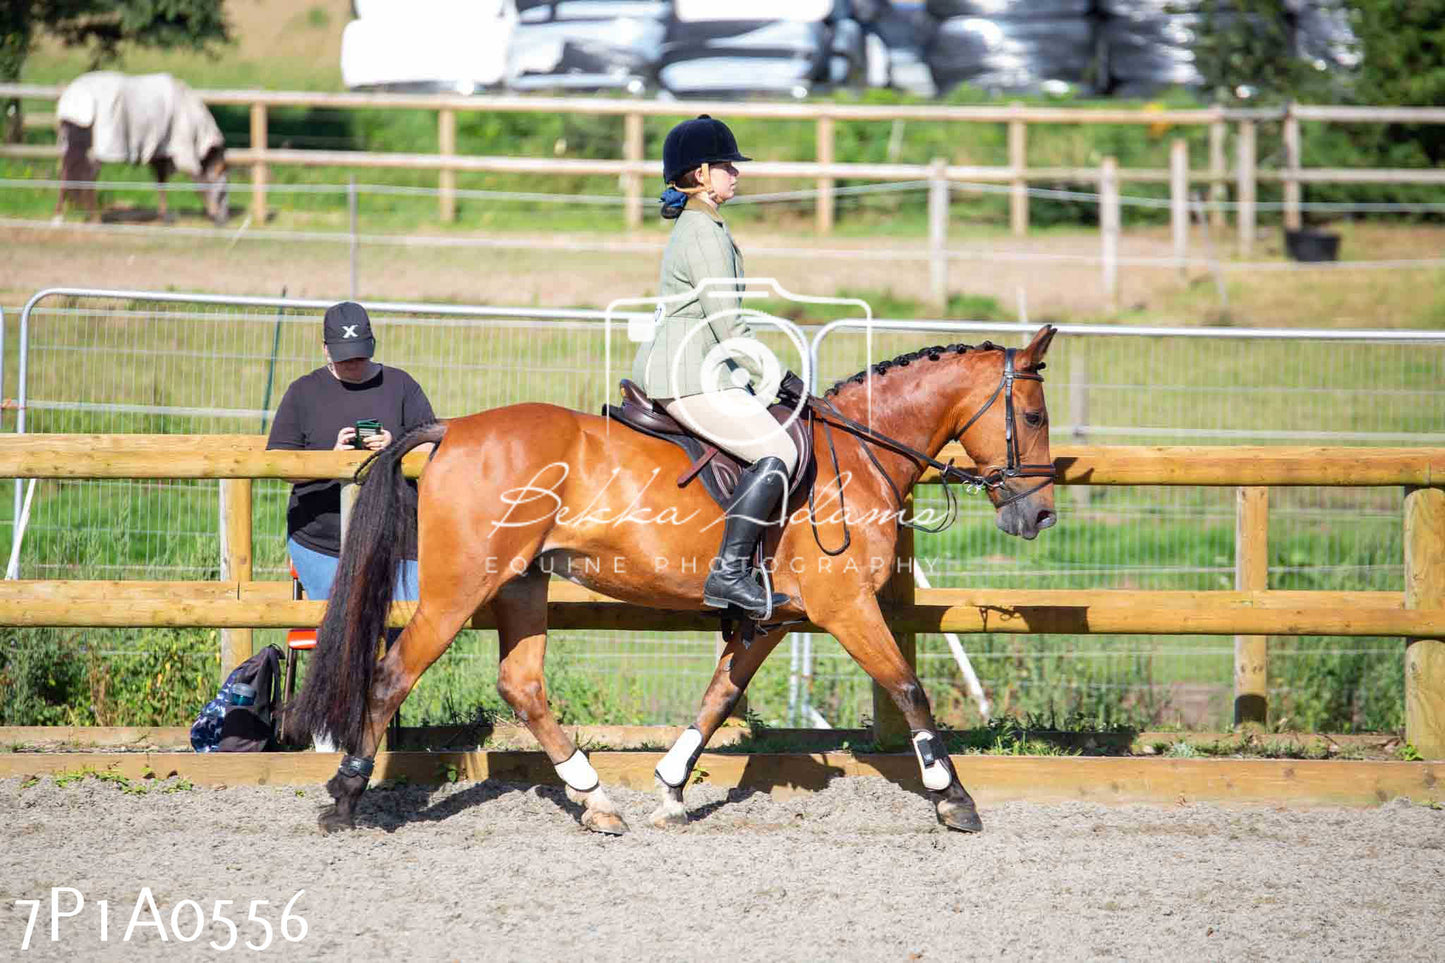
(242, 717)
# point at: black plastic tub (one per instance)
(1310, 245)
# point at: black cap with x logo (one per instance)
(346, 332)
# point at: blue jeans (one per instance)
(317, 571)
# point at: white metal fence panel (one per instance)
(145, 362)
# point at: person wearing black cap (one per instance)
(320, 412)
(715, 399)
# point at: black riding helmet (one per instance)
(693, 143)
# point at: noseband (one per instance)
(992, 480)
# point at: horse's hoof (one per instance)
(609, 824)
(962, 816)
(664, 817)
(331, 821)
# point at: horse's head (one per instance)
(215, 193)
(1007, 436)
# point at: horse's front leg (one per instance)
(735, 669)
(863, 632)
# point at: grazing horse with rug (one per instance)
(515, 494)
(108, 117)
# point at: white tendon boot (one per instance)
(671, 777)
(585, 789)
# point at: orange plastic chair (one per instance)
(303, 640)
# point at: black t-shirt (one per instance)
(316, 407)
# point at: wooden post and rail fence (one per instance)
(634, 170)
(237, 603)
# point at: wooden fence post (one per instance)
(350, 491)
(1292, 219)
(235, 562)
(889, 726)
(1179, 200)
(1425, 589)
(446, 177)
(938, 234)
(632, 148)
(1251, 574)
(1109, 229)
(258, 166)
(1218, 172)
(826, 200)
(1245, 191)
(1018, 160)
(1080, 495)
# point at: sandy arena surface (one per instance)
(857, 872)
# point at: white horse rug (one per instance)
(134, 120)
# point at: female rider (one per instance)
(713, 396)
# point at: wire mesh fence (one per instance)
(99, 365)
(1312, 388)
(129, 364)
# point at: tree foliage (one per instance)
(1403, 47)
(1244, 51)
(1404, 52)
(102, 26)
(1248, 46)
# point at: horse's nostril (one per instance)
(1046, 519)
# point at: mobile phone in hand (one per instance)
(364, 430)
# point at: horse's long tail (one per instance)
(336, 697)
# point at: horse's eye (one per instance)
(1033, 419)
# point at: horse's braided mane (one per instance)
(904, 360)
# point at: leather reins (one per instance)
(823, 410)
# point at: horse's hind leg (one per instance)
(735, 669)
(521, 611)
(447, 601)
(162, 168)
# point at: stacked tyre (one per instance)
(759, 47)
(769, 48)
(1012, 45)
(1323, 36)
(897, 37)
(587, 45)
(1150, 45)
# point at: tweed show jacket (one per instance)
(685, 330)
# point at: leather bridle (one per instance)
(823, 410)
(1015, 468)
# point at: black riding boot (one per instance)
(731, 582)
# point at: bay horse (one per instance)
(514, 494)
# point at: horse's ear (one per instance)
(1033, 355)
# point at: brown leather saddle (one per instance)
(718, 470)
